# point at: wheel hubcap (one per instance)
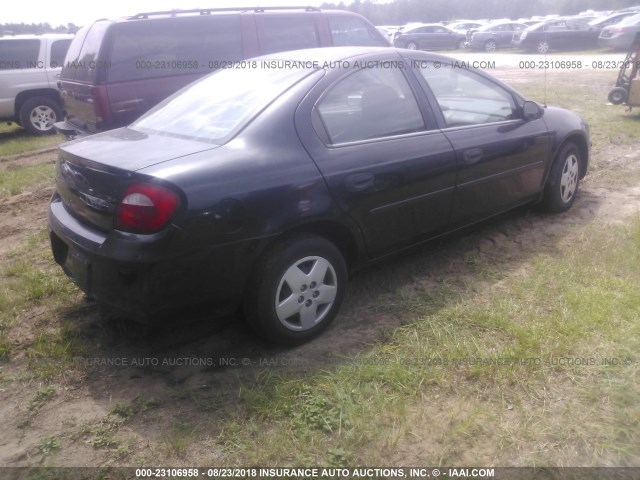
(412, 46)
(569, 178)
(306, 293)
(543, 47)
(490, 47)
(42, 118)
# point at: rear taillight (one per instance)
(618, 30)
(146, 208)
(100, 104)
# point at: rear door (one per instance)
(385, 163)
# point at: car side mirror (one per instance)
(531, 110)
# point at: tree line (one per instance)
(400, 12)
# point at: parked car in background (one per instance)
(621, 35)
(263, 187)
(557, 34)
(29, 67)
(116, 70)
(599, 23)
(463, 26)
(494, 36)
(431, 36)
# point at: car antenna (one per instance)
(546, 65)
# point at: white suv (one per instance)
(30, 66)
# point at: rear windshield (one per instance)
(217, 105)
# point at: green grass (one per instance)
(30, 278)
(19, 180)
(580, 305)
(15, 140)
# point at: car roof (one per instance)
(342, 54)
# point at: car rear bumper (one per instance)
(70, 130)
(149, 287)
(621, 42)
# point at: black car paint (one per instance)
(574, 37)
(241, 197)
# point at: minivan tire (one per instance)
(38, 114)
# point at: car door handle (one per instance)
(473, 155)
(360, 182)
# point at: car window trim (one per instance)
(433, 103)
(429, 120)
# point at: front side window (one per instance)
(466, 98)
(58, 51)
(370, 103)
(217, 105)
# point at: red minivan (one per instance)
(116, 70)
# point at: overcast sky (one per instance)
(82, 12)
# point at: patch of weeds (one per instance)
(50, 444)
(5, 348)
(318, 413)
(41, 397)
(102, 434)
(52, 352)
(124, 411)
(180, 438)
(141, 405)
(339, 457)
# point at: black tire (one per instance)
(38, 114)
(412, 45)
(490, 46)
(618, 96)
(564, 179)
(286, 277)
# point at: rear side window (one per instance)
(371, 103)
(156, 48)
(58, 52)
(16, 54)
(282, 33)
(347, 31)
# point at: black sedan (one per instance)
(557, 34)
(261, 186)
(430, 37)
(494, 36)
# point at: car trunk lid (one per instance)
(93, 172)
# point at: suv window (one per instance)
(58, 52)
(85, 65)
(142, 49)
(16, 54)
(346, 31)
(467, 98)
(371, 103)
(286, 33)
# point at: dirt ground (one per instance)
(218, 358)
